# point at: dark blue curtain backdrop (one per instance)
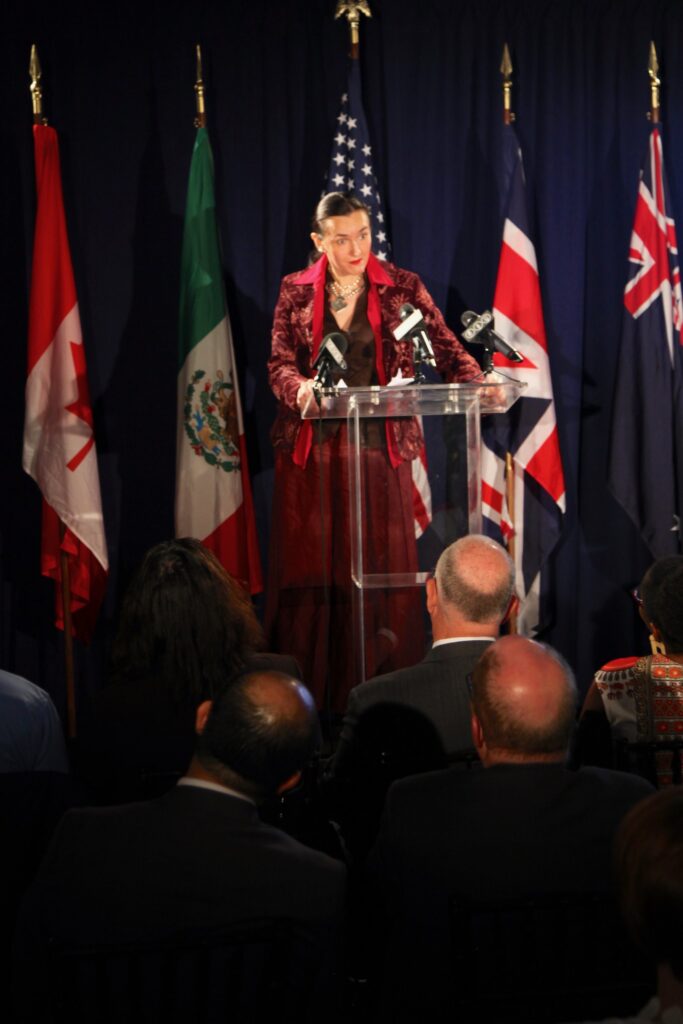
(118, 85)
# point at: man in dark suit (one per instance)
(197, 858)
(524, 826)
(468, 597)
(412, 719)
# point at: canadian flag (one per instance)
(59, 442)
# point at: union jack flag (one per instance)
(351, 171)
(645, 462)
(529, 431)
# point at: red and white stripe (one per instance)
(422, 492)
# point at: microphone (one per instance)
(480, 330)
(330, 356)
(413, 325)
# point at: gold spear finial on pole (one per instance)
(352, 10)
(655, 82)
(200, 119)
(506, 70)
(36, 73)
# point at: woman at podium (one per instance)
(345, 291)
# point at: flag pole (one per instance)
(506, 70)
(352, 10)
(654, 118)
(655, 82)
(35, 73)
(200, 118)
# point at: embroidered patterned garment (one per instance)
(643, 701)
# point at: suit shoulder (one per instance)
(625, 783)
(312, 860)
(380, 687)
(415, 788)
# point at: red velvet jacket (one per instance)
(297, 336)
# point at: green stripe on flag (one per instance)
(202, 299)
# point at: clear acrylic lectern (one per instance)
(446, 486)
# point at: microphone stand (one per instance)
(487, 364)
(322, 380)
(418, 360)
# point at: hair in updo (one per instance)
(335, 204)
(186, 622)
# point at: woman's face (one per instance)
(347, 242)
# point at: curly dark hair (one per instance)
(186, 622)
(662, 593)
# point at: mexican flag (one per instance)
(59, 443)
(213, 492)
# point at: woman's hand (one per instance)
(304, 394)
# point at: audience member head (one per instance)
(649, 866)
(257, 734)
(472, 590)
(184, 621)
(523, 702)
(661, 592)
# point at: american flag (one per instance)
(645, 463)
(351, 170)
(529, 430)
(351, 164)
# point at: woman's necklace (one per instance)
(341, 293)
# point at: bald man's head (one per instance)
(260, 731)
(524, 701)
(474, 582)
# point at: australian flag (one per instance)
(528, 432)
(645, 470)
(351, 170)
